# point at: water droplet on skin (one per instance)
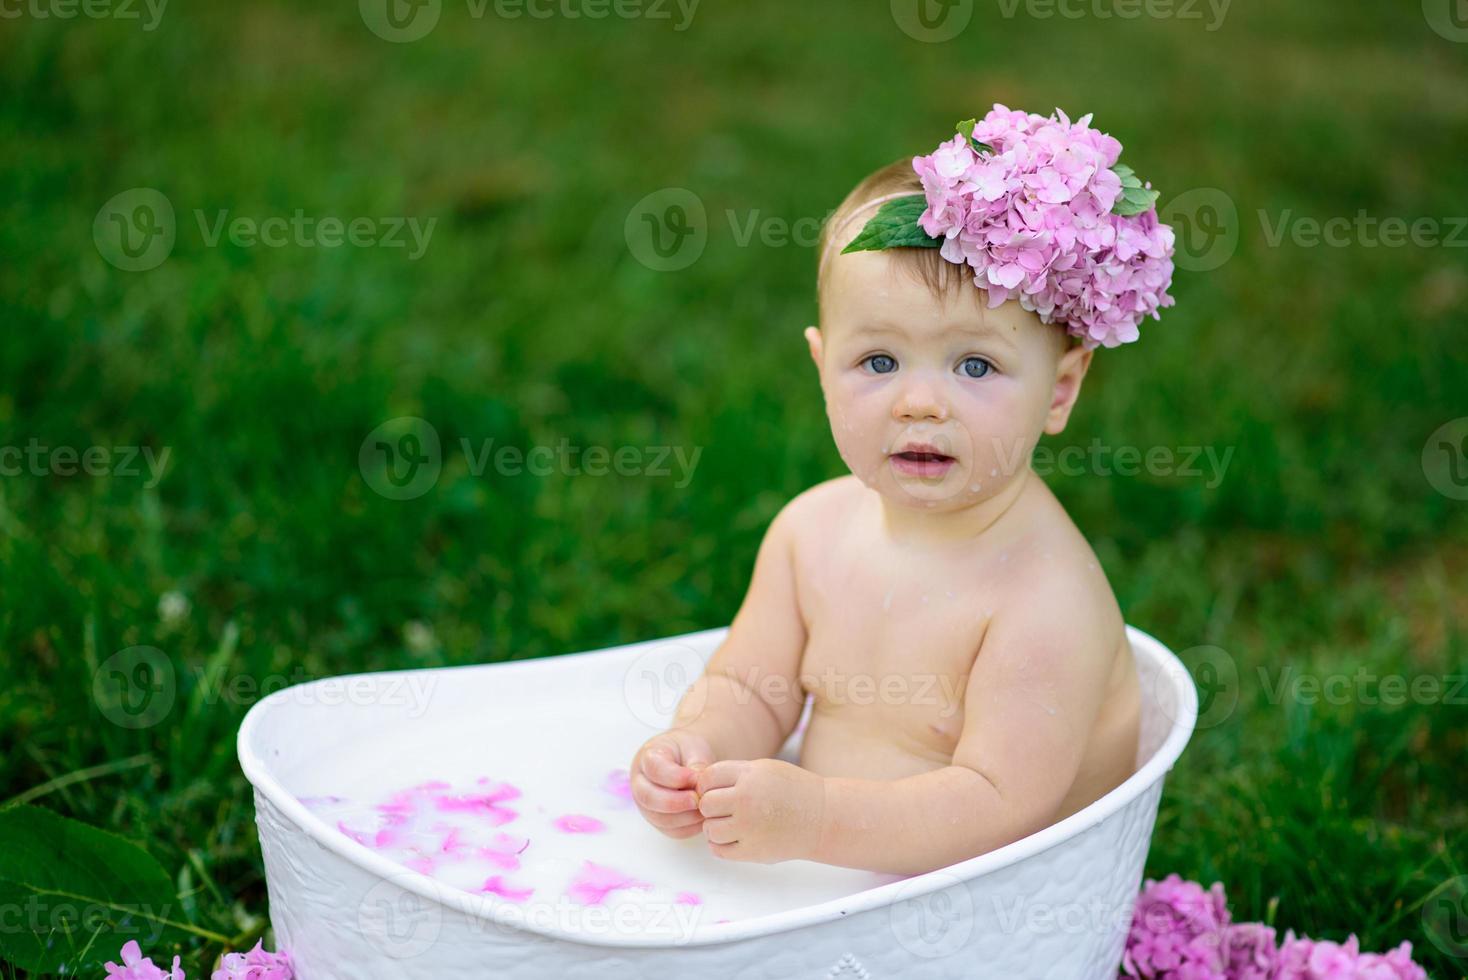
(949, 593)
(887, 602)
(973, 486)
(925, 597)
(1004, 556)
(994, 472)
(1090, 564)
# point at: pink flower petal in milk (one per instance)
(504, 851)
(576, 823)
(496, 886)
(355, 835)
(592, 884)
(483, 805)
(422, 865)
(687, 898)
(619, 784)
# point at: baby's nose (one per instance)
(920, 399)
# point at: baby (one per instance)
(968, 667)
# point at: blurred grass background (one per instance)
(528, 319)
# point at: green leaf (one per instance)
(895, 225)
(966, 128)
(78, 894)
(1134, 201)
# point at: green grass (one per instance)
(1325, 548)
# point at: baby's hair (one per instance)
(944, 279)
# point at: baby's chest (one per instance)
(897, 657)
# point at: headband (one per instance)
(1041, 211)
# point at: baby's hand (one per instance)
(762, 810)
(664, 773)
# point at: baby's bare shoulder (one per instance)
(1053, 573)
(816, 509)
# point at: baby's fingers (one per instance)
(659, 767)
(659, 799)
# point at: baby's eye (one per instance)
(974, 367)
(881, 363)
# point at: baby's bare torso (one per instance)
(893, 635)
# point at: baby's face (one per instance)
(901, 367)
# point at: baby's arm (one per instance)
(745, 703)
(1033, 695)
(748, 698)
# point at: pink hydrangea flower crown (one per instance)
(1042, 212)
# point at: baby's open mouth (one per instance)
(925, 463)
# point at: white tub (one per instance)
(1053, 905)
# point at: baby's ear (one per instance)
(813, 339)
(1068, 376)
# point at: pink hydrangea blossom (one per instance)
(256, 964)
(1320, 959)
(1180, 931)
(135, 966)
(1033, 220)
(1177, 932)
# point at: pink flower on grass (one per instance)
(256, 964)
(1177, 932)
(1181, 932)
(137, 967)
(1321, 959)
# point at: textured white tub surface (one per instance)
(1055, 904)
